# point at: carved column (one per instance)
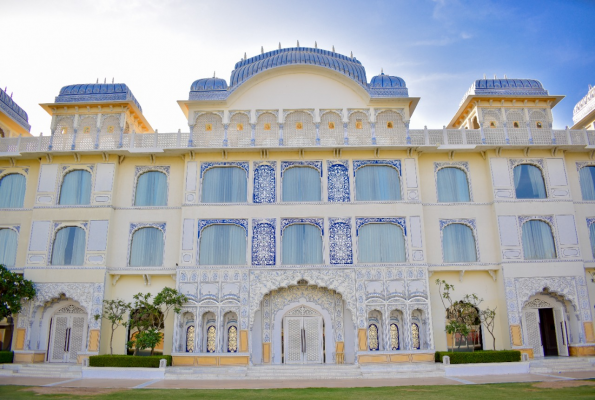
(345, 134)
(225, 127)
(373, 129)
(280, 134)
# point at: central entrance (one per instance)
(67, 331)
(303, 336)
(546, 326)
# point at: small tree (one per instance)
(14, 290)
(114, 311)
(488, 317)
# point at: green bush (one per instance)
(6, 357)
(127, 361)
(483, 356)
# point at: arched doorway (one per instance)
(546, 325)
(67, 335)
(303, 336)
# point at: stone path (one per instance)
(280, 384)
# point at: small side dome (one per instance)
(387, 81)
(208, 84)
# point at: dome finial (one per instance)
(279, 45)
(495, 76)
(484, 76)
(245, 56)
(333, 48)
(261, 50)
(214, 74)
(381, 71)
(95, 82)
(315, 45)
(298, 43)
(505, 76)
(104, 80)
(352, 54)
(112, 80)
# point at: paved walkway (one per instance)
(283, 384)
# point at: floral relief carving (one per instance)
(264, 182)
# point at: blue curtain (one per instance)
(458, 243)
(12, 191)
(301, 184)
(222, 244)
(8, 247)
(452, 185)
(151, 189)
(147, 248)
(538, 242)
(69, 246)
(587, 177)
(528, 182)
(592, 231)
(302, 244)
(377, 183)
(381, 243)
(224, 185)
(76, 188)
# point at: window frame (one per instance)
(553, 232)
(12, 172)
(60, 226)
(469, 224)
(580, 167)
(381, 221)
(16, 229)
(541, 170)
(464, 166)
(373, 163)
(71, 168)
(207, 166)
(247, 259)
(302, 222)
(320, 176)
(134, 227)
(144, 171)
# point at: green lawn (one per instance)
(526, 391)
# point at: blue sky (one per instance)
(159, 47)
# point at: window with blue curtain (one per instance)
(592, 232)
(8, 247)
(458, 243)
(76, 188)
(222, 244)
(538, 241)
(146, 249)
(452, 185)
(528, 182)
(301, 184)
(587, 179)
(302, 244)
(151, 189)
(377, 183)
(69, 246)
(12, 191)
(381, 243)
(224, 185)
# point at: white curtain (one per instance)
(301, 184)
(592, 232)
(151, 189)
(76, 188)
(222, 244)
(377, 183)
(224, 185)
(458, 243)
(302, 244)
(587, 178)
(528, 182)
(381, 243)
(538, 242)
(69, 246)
(147, 248)
(452, 185)
(8, 247)
(12, 191)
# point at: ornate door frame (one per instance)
(303, 334)
(67, 334)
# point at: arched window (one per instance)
(69, 246)
(147, 248)
(302, 244)
(222, 244)
(151, 189)
(301, 184)
(12, 191)
(381, 243)
(377, 183)
(190, 339)
(452, 185)
(394, 337)
(528, 182)
(592, 232)
(8, 247)
(211, 339)
(232, 339)
(415, 342)
(224, 185)
(76, 188)
(587, 178)
(538, 241)
(373, 342)
(458, 243)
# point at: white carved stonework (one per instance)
(538, 303)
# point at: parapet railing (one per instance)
(445, 138)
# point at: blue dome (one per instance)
(208, 84)
(508, 84)
(387, 81)
(12, 109)
(90, 92)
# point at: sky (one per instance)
(159, 47)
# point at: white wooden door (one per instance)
(303, 340)
(59, 338)
(313, 340)
(532, 331)
(67, 334)
(293, 340)
(560, 321)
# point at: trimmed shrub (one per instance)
(483, 356)
(127, 361)
(6, 357)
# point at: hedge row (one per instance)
(483, 356)
(6, 357)
(127, 361)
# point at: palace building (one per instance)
(302, 216)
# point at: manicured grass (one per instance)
(526, 391)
